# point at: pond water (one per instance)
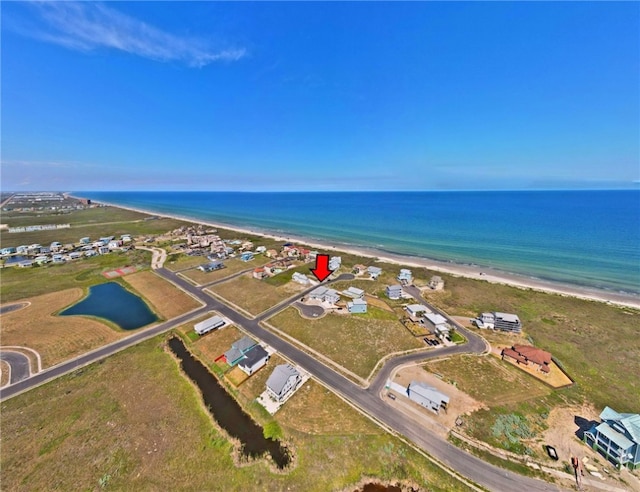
(113, 302)
(226, 411)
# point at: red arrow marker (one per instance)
(321, 271)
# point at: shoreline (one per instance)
(488, 274)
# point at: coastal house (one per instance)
(324, 294)
(300, 278)
(55, 246)
(208, 325)
(436, 283)
(85, 240)
(238, 350)
(259, 273)
(438, 324)
(527, 355)
(103, 250)
(254, 359)
(357, 306)
(394, 292)
(427, 396)
(261, 249)
(271, 253)
(334, 263)
(617, 438)
(25, 263)
(7, 251)
(353, 293)
(282, 382)
(499, 321)
(416, 311)
(246, 256)
(405, 277)
(210, 267)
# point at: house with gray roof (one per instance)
(374, 272)
(416, 311)
(427, 396)
(238, 350)
(394, 292)
(254, 359)
(324, 295)
(357, 306)
(617, 438)
(439, 324)
(353, 293)
(208, 324)
(283, 381)
(405, 276)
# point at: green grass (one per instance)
(101, 427)
(76, 217)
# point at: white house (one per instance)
(357, 306)
(283, 382)
(405, 276)
(374, 272)
(208, 324)
(323, 294)
(439, 323)
(300, 278)
(427, 396)
(353, 293)
(416, 311)
(335, 262)
(253, 360)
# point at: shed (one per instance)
(427, 396)
(208, 324)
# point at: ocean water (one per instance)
(585, 238)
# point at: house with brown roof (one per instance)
(527, 355)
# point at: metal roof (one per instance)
(510, 318)
(244, 344)
(280, 376)
(427, 392)
(630, 421)
(614, 436)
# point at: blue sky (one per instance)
(320, 96)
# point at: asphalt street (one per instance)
(19, 363)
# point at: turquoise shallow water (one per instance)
(585, 238)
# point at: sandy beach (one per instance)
(469, 271)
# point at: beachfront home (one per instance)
(359, 269)
(334, 263)
(394, 292)
(353, 293)
(254, 359)
(436, 283)
(499, 321)
(238, 350)
(7, 251)
(55, 246)
(259, 273)
(427, 396)
(208, 324)
(525, 354)
(439, 324)
(405, 276)
(300, 278)
(210, 267)
(103, 250)
(85, 240)
(357, 306)
(261, 249)
(271, 253)
(283, 382)
(416, 311)
(617, 438)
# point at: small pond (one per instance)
(227, 412)
(113, 302)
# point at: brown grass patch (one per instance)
(56, 338)
(356, 343)
(4, 372)
(376, 301)
(167, 300)
(217, 342)
(231, 266)
(236, 376)
(253, 295)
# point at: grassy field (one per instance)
(231, 266)
(20, 283)
(596, 343)
(355, 342)
(253, 295)
(166, 299)
(5, 368)
(96, 215)
(102, 428)
(56, 338)
(180, 261)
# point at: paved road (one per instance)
(20, 368)
(368, 400)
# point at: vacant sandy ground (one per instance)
(56, 338)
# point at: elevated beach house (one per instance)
(394, 292)
(210, 267)
(427, 396)
(353, 293)
(357, 306)
(374, 272)
(323, 294)
(405, 277)
(416, 311)
(438, 323)
(283, 382)
(499, 321)
(617, 438)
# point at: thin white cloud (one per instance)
(85, 26)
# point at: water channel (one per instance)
(226, 410)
